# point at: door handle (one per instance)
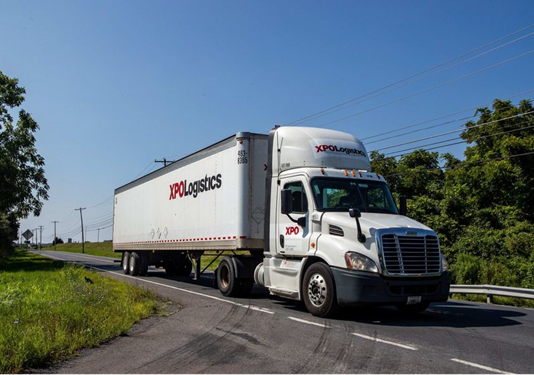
(282, 241)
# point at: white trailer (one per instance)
(314, 223)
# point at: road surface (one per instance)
(265, 334)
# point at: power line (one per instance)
(462, 164)
(315, 115)
(434, 119)
(428, 76)
(429, 89)
(426, 128)
(453, 131)
(103, 202)
(455, 143)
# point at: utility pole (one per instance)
(98, 235)
(55, 238)
(81, 219)
(164, 161)
(41, 241)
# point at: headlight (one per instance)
(359, 262)
(444, 264)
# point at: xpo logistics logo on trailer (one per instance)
(183, 189)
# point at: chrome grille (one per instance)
(411, 255)
(336, 231)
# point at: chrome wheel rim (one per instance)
(317, 291)
(225, 277)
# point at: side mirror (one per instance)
(403, 207)
(301, 221)
(354, 212)
(287, 203)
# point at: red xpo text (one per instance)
(343, 150)
(182, 188)
(292, 230)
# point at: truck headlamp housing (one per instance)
(359, 262)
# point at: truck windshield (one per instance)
(340, 194)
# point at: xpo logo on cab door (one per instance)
(292, 231)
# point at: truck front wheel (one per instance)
(318, 291)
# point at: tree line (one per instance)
(482, 207)
(23, 185)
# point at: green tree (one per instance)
(23, 185)
(482, 207)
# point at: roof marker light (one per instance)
(322, 170)
(352, 173)
(345, 172)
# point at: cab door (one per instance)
(293, 239)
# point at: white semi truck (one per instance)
(297, 211)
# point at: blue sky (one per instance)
(117, 84)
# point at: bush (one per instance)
(466, 269)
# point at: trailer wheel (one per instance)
(126, 262)
(135, 263)
(412, 309)
(318, 291)
(171, 268)
(185, 266)
(143, 268)
(226, 280)
(245, 287)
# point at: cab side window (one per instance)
(298, 196)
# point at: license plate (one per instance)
(412, 300)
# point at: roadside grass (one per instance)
(104, 249)
(50, 309)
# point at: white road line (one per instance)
(385, 342)
(308, 322)
(255, 308)
(486, 368)
(50, 256)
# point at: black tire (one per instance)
(126, 262)
(135, 263)
(319, 292)
(412, 309)
(143, 269)
(170, 268)
(226, 280)
(185, 266)
(246, 287)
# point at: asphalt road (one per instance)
(266, 334)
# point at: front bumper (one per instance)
(361, 288)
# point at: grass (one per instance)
(104, 249)
(49, 310)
